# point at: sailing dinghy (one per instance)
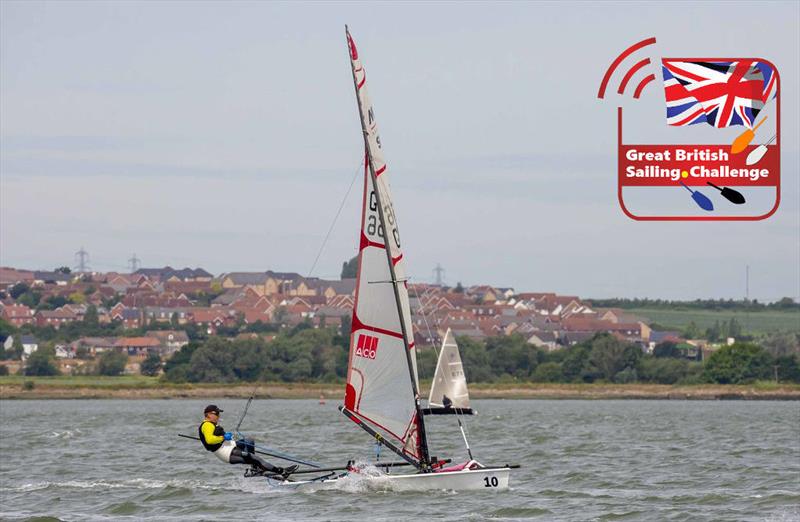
(449, 394)
(382, 390)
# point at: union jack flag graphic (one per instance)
(720, 93)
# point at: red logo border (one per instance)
(774, 209)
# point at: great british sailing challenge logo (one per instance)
(718, 157)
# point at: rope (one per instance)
(335, 218)
(311, 271)
(313, 266)
(425, 320)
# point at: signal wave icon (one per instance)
(631, 72)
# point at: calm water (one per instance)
(582, 460)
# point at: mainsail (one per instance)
(382, 376)
(449, 387)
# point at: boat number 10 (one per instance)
(372, 222)
(490, 482)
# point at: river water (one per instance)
(581, 460)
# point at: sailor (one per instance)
(221, 443)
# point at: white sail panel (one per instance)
(378, 382)
(449, 379)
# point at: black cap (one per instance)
(212, 408)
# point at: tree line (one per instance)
(718, 332)
(304, 355)
(300, 354)
(749, 305)
(91, 327)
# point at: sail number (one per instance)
(490, 482)
(374, 227)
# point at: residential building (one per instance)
(63, 351)
(170, 340)
(547, 340)
(57, 278)
(137, 346)
(129, 317)
(171, 274)
(12, 276)
(29, 345)
(93, 345)
(255, 280)
(17, 314)
(55, 318)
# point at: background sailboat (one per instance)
(449, 393)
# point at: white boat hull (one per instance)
(464, 480)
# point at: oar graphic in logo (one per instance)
(758, 153)
(699, 198)
(743, 140)
(734, 196)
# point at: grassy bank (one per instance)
(137, 387)
(768, 321)
(88, 381)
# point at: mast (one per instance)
(423, 440)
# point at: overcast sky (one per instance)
(225, 135)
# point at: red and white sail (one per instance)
(379, 384)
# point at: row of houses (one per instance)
(161, 342)
(194, 296)
(547, 320)
(164, 343)
(10, 276)
(19, 315)
(179, 296)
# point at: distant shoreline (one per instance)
(108, 389)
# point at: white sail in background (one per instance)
(449, 380)
(379, 388)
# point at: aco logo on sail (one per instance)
(367, 346)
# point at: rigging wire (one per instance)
(335, 218)
(425, 320)
(244, 413)
(311, 271)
